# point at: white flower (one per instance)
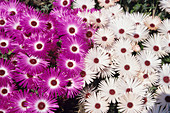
(148, 61)
(106, 3)
(108, 89)
(165, 4)
(84, 4)
(130, 103)
(96, 104)
(107, 72)
(149, 101)
(152, 22)
(165, 75)
(164, 27)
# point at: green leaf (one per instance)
(137, 7)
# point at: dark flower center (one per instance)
(27, 34)
(2, 72)
(98, 20)
(137, 23)
(107, 1)
(2, 22)
(168, 32)
(84, 7)
(97, 106)
(19, 27)
(112, 91)
(96, 60)
(167, 98)
(39, 46)
(74, 48)
(3, 44)
(156, 48)
(34, 23)
(41, 105)
(72, 30)
(84, 19)
(24, 104)
(12, 13)
(121, 31)
(136, 36)
(123, 50)
(70, 64)
(145, 76)
(145, 100)
(152, 25)
(83, 73)
(126, 67)
(33, 61)
(104, 38)
(147, 63)
(1, 112)
(65, 2)
(89, 34)
(49, 25)
(69, 83)
(87, 95)
(166, 79)
(14, 62)
(53, 82)
(128, 90)
(130, 105)
(29, 75)
(4, 91)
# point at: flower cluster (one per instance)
(73, 48)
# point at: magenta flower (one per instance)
(3, 18)
(62, 4)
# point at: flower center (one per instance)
(112, 91)
(98, 20)
(69, 83)
(33, 61)
(39, 46)
(1, 112)
(19, 27)
(97, 106)
(72, 30)
(24, 104)
(145, 100)
(123, 50)
(136, 36)
(53, 82)
(12, 13)
(126, 67)
(70, 64)
(87, 95)
(4, 91)
(3, 44)
(129, 104)
(34, 23)
(49, 25)
(128, 90)
(41, 105)
(84, 7)
(65, 2)
(27, 34)
(2, 22)
(137, 23)
(121, 31)
(169, 44)
(168, 32)
(166, 79)
(89, 34)
(29, 75)
(84, 19)
(2, 72)
(147, 63)
(96, 60)
(167, 98)
(152, 25)
(107, 1)
(156, 48)
(145, 76)
(74, 48)
(104, 38)
(83, 73)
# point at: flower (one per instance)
(164, 75)
(165, 5)
(3, 18)
(106, 3)
(62, 3)
(84, 5)
(152, 22)
(96, 104)
(164, 27)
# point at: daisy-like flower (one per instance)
(4, 106)
(6, 43)
(152, 22)
(85, 93)
(88, 76)
(74, 48)
(108, 89)
(73, 86)
(53, 81)
(130, 85)
(163, 96)
(149, 62)
(3, 18)
(96, 104)
(107, 72)
(96, 60)
(154, 44)
(26, 79)
(122, 26)
(17, 101)
(138, 18)
(85, 15)
(84, 5)
(71, 26)
(71, 66)
(98, 19)
(164, 75)
(130, 103)
(166, 42)
(164, 27)
(149, 78)
(31, 64)
(106, 3)
(37, 46)
(127, 65)
(122, 47)
(141, 33)
(6, 90)
(62, 3)
(149, 101)
(104, 37)
(6, 69)
(41, 103)
(165, 4)
(90, 33)
(32, 21)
